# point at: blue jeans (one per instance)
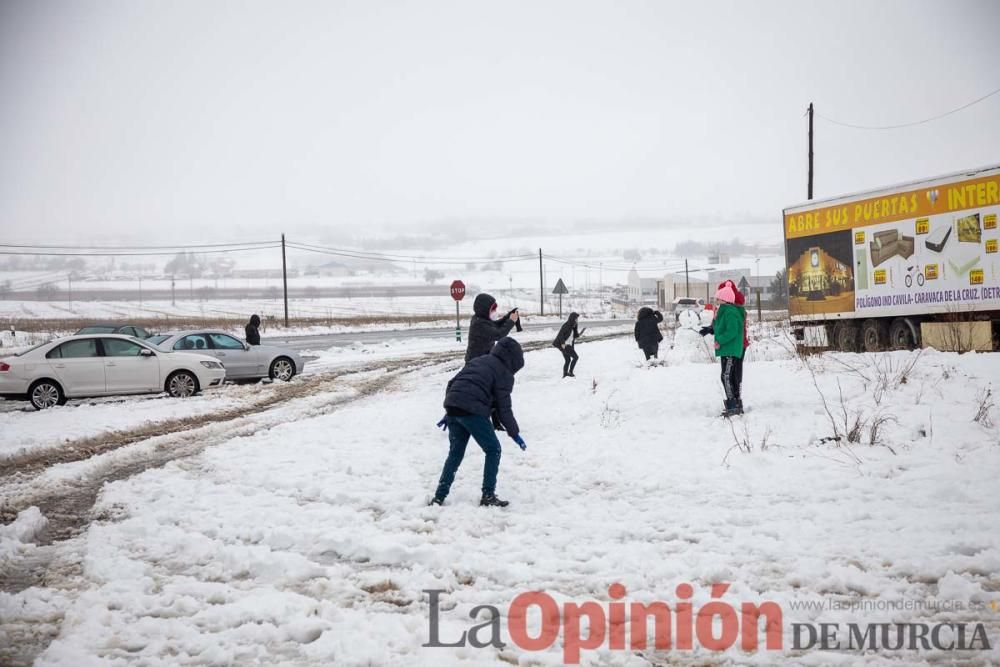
(459, 430)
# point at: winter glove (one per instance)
(520, 442)
(495, 419)
(704, 331)
(443, 424)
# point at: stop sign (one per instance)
(458, 290)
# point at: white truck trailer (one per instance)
(900, 267)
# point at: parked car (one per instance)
(103, 365)
(126, 329)
(683, 303)
(243, 361)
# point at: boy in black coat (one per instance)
(567, 345)
(485, 382)
(647, 331)
(484, 330)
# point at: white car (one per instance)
(103, 365)
(242, 360)
(684, 303)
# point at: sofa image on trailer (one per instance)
(887, 244)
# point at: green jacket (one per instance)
(728, 329)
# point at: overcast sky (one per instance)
(203, 119)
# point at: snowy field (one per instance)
(310, 542)
(239, 309)
(26, 431)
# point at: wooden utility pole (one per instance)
(541, 285)
(810, 191)
(284, 277)
(687, 280)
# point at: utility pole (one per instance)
(810, 192)
(173, 290)
(541, 285)
(687, 280)
(284, 277)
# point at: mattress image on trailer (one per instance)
(937, 239)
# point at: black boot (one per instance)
(730, 408)
(492, 501)
(436, 501)
(738, 406)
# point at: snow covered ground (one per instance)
(26, 431)
(310, 542)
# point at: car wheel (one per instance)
(282, 369)
(46, 394)
(182, 384)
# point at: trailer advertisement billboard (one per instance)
(905, 251)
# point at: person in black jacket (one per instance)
(252, 330)
(486, 327)
(647, 331)
(484, 382)
(565, 342)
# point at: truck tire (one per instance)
(875, 335)
(901, 335)
(845, 337)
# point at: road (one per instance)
(349, 338)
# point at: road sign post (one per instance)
(458, 293)
(560, 289)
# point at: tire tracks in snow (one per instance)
(121, 454)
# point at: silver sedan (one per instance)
(242, 360)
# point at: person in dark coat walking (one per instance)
(647, 331)
(486, 327)
(483, 383)
(252, 330)
(565, 342)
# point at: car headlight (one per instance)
(212, 364)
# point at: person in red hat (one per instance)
(729, 329)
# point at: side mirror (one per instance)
(146, 352)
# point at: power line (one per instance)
(88, 253)
(240, 245)
(918, 122)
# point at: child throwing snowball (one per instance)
(484, 382)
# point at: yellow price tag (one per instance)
(976, 277)
(931, 272)
(880, 276)
(990, 221)
(991, 245)
(923, 225)
(859, 238)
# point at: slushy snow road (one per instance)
(310, 542)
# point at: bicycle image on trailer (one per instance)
(908, 279)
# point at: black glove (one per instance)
(517, 324)
(704, 331)
(495, 418)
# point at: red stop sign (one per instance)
(458, 290)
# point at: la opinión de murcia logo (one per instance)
(717, 625)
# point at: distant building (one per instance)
(745, 280)
(334, 269)
(675, 285)
(717, 257)
(641, 291)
